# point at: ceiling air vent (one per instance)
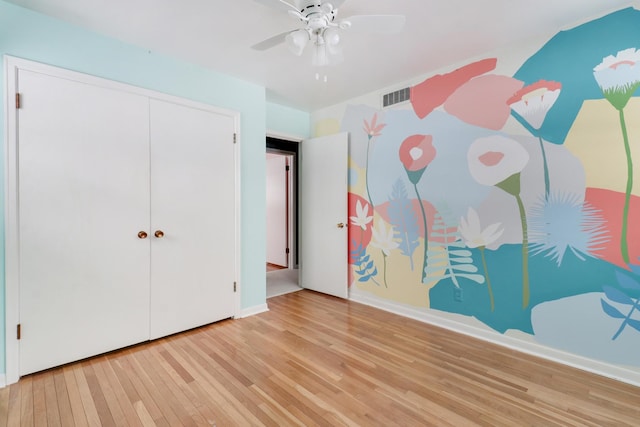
(396, 97)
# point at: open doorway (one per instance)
(282, 214)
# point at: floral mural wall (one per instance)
(536, 231)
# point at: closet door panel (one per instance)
(193, 204)
(83, 194)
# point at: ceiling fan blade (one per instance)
(335, 3)
(375, 23)
(270, 42)
(278, 4)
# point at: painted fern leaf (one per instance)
(448, 257)
(618, 296)
(364, 266)
(404, 220)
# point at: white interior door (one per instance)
(323, 214)
(193, 205)
(277, 189)
(83, 196)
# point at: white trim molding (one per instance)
(252, 311)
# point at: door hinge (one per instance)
(19, 331)
(287, 250)
(17, 101)
(235, 138)
(234, 286)
(286, 168)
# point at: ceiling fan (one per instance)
(322, 30)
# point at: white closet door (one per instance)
(83, 194)
(193, 205)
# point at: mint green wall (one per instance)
(288, 121)
(33, 36)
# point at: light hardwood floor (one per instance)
(317, 360)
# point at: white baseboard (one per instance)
(432, 317)
(251, 311)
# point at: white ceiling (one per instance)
(217, 34)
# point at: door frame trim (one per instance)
(11, 66)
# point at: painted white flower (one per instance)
(495, 158)
(619, 76)
(473, 234)
(617, 71)
(533, 102)
(383, 238)
(362, 217)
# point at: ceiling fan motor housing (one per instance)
(317, 15)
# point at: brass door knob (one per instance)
(340, 225)
(142, 235)
(158, 234)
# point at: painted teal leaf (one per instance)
(478, 278)
(635, 324)
(464, 253)
(366, 258)
(404, 220)
(635, 269)
(457, 244)
(469, 268)
(627, 282)
(462, 260)
(374, 272)
(363, 279)
(361, 272)
(611, 310)
(617, 295)
(369, 266)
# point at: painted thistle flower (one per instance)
(362, 218)
(619, 76)
(473, 234)
(383, 239)
(495, 158)
(534, 101)
(416, 152)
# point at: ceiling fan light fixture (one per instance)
(297, 40)
(331, 36)
(320, 55)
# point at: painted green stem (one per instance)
(426, 233)
(547, 184)
(525, 253)
(384, 272)
(486, 276)
(366, 173)
(624, 247)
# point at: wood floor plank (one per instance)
(97, 393)
(5, 409)
(316, 360)
(88, 402)
(51, 400)
(39, 400)
(75, 400)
